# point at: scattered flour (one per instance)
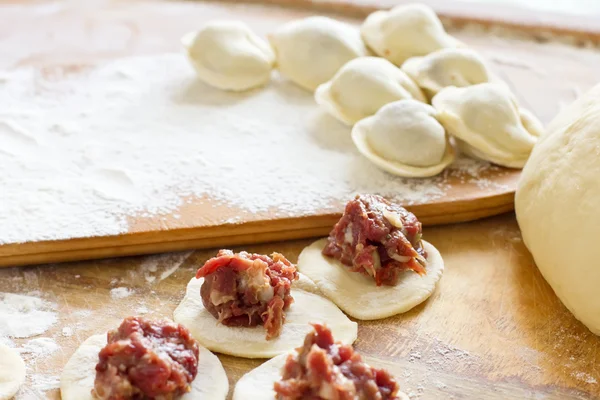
(25, 316)
(141, 310)
(121, 292)
(67, 331)
(44, 383)
(39, 347)
(82, 151)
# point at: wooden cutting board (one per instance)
(493, 330)
(544, 77)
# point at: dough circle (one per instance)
(77, 379)
(557, 207)
(358, 295)
(309, 306)
(258, 383)
(12, 372)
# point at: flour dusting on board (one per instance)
(25, 316)
(82, 151)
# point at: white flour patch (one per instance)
(67, 331)
(25, 316)
(121, 292)
(83, 151)
(141, 310)
(44, 383)
(39, 347)
(160, 267)
(587, 378)
(6, 341)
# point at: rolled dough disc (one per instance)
(358, 295)
(309, 306)
(77, 379)
(258, 383)
(12, 372)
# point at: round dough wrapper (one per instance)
(405, 139)
(77, 379)
(12, 372)
(310, 51)
(487, 117)
(458, 67)
(557, 207)
(358, 295)
(405, 31)
(229, 56)
(249, 342)
(364, 85)
(258, 383)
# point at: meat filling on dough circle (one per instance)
(229, 56)
(362, 86)
(487, 118)
(254, 306)
(405, 31)
(310, 51)
(374, 263)
(404, 138)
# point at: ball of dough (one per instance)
(363, 86)
(405, 31)
(310, 51)
(229, 56)
(557, 207)
(447, 67)
(487, 118)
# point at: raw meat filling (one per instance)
(377, 238)
(146, 360)
(323, 369)
(248, 289)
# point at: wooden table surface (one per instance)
(493, 329)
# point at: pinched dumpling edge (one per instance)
(231, 83)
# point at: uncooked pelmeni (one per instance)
(358, 295)
(12, 372)
(447, 67)
(229, 56)
(404, 138)
(362, 86)
(405, 31)
(309, 306)
(487, 119)
(79, 374)
(557, 207)
(258, 383)
(311, 50)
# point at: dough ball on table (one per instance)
(447, 67)
(229, 56)
(310, 51)
(12, 372)
(488, 123)
(363, 86)
(557, 206)
(406, 31)
(404, 138)
(309, 306)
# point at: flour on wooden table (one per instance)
(121, 292)
(25, 316)
(39, 348)
(83, 149)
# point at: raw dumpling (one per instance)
(447, 67)
(487, 119)
(12, 372)
(404, 138)
(362, 86)
(77, 379)
(229, 56)
(405, 31)
(309, 306)
(310, 51)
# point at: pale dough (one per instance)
(405, 139)
(358, 295)
(12, 372)
(258, 383)
(557, 206)
(309, 306)
(77, 379)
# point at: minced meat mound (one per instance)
(246, 289)
(377, 238)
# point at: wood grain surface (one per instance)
(71, 34)
(492, 330)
